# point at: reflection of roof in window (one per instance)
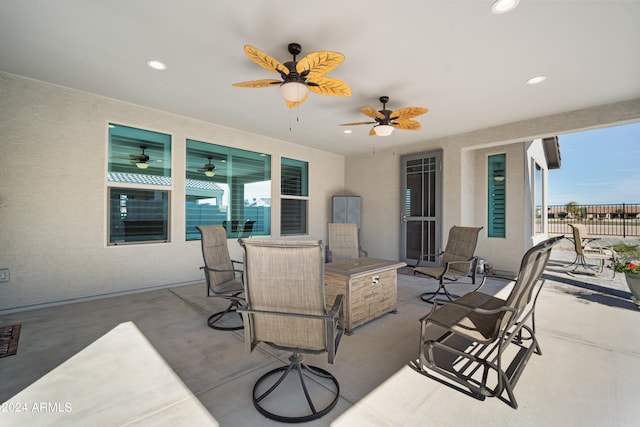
(135, 178)
(203, 185)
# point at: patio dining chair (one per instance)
(344, 242)
(458, 261)
(223, 278)
(286, 309)
(588, 249)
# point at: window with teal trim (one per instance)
(138, 181)
(229, 187)
(294, 191)
(497, 195)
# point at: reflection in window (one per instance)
(227, 186)
(138, 215)
(138, 156)
(497, 184)
(141, 159)
(294, 190)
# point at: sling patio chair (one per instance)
(286, 309)
(465, 340)
(587, 249)
(344, 242)
(223, 279)
(458, 261)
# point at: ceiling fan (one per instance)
(299, 77)
(208, 168)
(387, 120)
(140, 160)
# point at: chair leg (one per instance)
(430, 297)
(215, 318)
(315, 374)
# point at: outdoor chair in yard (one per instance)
(285, 308)
(222, 278)
(465, 340)
(458, 261)
(344, 242)
(587, 249)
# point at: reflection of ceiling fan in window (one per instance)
(140, 160)
(208, 169)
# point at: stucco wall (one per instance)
(53, 147)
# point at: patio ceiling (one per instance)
(465, 64)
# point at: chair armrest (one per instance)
(334, 323)
(471, 261)
(220, 270)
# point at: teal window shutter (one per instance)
(497, 200)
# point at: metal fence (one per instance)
(622, 219)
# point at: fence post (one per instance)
(624, 221)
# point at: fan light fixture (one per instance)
(504, 6)
(383, 130)
(209, 173)
(294, 91)
(142, 165)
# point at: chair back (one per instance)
(532, 266)
(579, 232)
(216, 256)
(343, 241)
(285, 276)
(461, 245)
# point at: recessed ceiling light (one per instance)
(504, 6)
(156, 65)
(536, 80)
(348, 131)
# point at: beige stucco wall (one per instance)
(53, 146)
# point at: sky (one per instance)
(600, 166)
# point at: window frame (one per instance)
(156, 177)
(225, 158)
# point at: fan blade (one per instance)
(258, 83)
(372, 132)
(407, 125)
(293, 104)
(373, 113)
(265, 61)
(357, 123)
(319, 63)
(329, 86)
(407, 113)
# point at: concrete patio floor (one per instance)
(150, 359)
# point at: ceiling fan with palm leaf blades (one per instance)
(299, 77)
(386, 120)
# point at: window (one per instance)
(138, 215)
(227, 186)
(138, 174)
(497, 195)
(294, 190)
(537, 199)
